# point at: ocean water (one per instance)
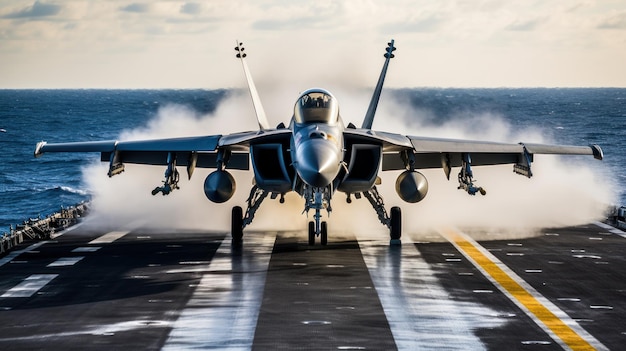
(30, 187)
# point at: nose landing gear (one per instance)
(323, 233)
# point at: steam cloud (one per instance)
(563, 191)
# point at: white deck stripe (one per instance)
(66, 261)
(420, 312)
(223, 311)
(8, 258)
(108, 237)
(84, 249)
(611, 229)
(30, 285)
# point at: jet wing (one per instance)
(200, 150)
(445, 153)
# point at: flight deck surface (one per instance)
(96, 288)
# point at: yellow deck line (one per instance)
(551, 321)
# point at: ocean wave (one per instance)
(26, 189)
(65, 189)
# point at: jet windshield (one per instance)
(316, 106)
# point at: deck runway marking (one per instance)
(611, 229)
(109, 237)
(66, 261)
(84, 249)
(8, 258)
(223, 310)
(30, 285)
(420, 313)
(564, 330)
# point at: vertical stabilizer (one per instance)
(256, 100)
(371, 110)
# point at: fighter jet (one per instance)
(317, 156)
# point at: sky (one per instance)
(186, 44)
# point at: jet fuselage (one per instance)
(317, 145)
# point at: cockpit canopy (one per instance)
(316, 106)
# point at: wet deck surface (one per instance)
(146, 290)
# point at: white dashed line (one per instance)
(611, 229)
(86, 249)
(65, 261)
(8, 258)
(30, 285)
(108, 237)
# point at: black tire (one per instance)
(395, 232)
(237, 225)
(324, 234)
(311, 233)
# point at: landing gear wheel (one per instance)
(395, 230)
(311, 233)
(324, 234)
(237, 226)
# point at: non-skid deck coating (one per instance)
(97, 289)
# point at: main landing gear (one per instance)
(237, 226)
(393, 220)
(240, 221)
(395, 226)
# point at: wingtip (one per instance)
(597, 151)
(38, 148)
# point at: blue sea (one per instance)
(31, 187)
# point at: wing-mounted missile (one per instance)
(256, 100)
(171, 177)
(466, 177)
(371, 110)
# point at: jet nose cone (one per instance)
(318, 162)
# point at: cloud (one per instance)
(136, 8)
(191, 8)
(614, 22)
(298, 18)
(192, 33)
(291, 23)
(525, 26)
(425, 24)
(37, 10)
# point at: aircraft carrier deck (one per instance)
(109, 289)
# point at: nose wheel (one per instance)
(323, 234)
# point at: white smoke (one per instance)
(127, 198)
(562, 191)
